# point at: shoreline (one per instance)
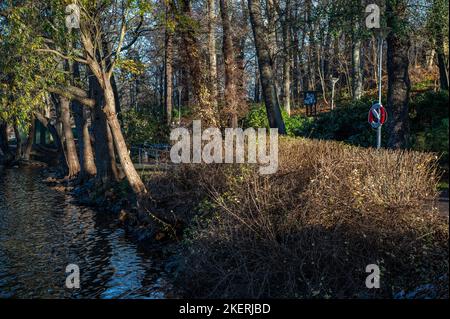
(125, 216)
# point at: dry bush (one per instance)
(309, 230)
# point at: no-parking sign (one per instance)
(377, 115)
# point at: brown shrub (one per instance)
(309, 230)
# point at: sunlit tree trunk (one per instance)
(287, 59)
(73, 163)
(168, 63)
(212, 53)
(231, 97)
(269, 90)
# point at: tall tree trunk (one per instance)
(212, 53)
(18, 154)
(71, 151)
(442, 60)
(4, 144)
(257, 98)
(398, 78)
(265, 67)
(105, 160)
(231, 98)
(30, 139)
(87, 163)
(132, 175)
(168, 64)
(296, 67)
(287, 59)
(193, 61)
(357, 80)
(56, 140)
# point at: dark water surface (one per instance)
(41, 232)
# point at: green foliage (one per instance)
(430, 123)
(347, 123)
(143, 127)
(257, 117)
(26, 73)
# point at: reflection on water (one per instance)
(41, 232)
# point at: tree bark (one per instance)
(357, 80)
(398, 78)
(231, 97)
(287, 59)
(192, 59)
(265, 63)
(73, 163)
(56, 140)
(212, 53)
(132, 175)
(8, 156)
(30, 139)
(87, 163)
(442, 60)
(18, 154)
(168, 63)
(107, 170)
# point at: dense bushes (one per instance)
(310, 230)
(257, 117)
(141, 127)
(429, 124)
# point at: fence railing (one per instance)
(150, 154)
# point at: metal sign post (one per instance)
(380, 81)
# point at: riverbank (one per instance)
(43, 230)
(226, 231)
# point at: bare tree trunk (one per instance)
(231, 97)
(287, 59)
(132, 175)
(30, 139)
(257, 98)
(442, 60)
(168, 64)
(56, 140)
(357, 80)
(87, 163)
(398, 78)
(105, 160)
(193, 60)
(296, 71)
(18, 154)
(4, 144)
(71, 151)
(265, 67)
(212, 53)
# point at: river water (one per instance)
(42, 232)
